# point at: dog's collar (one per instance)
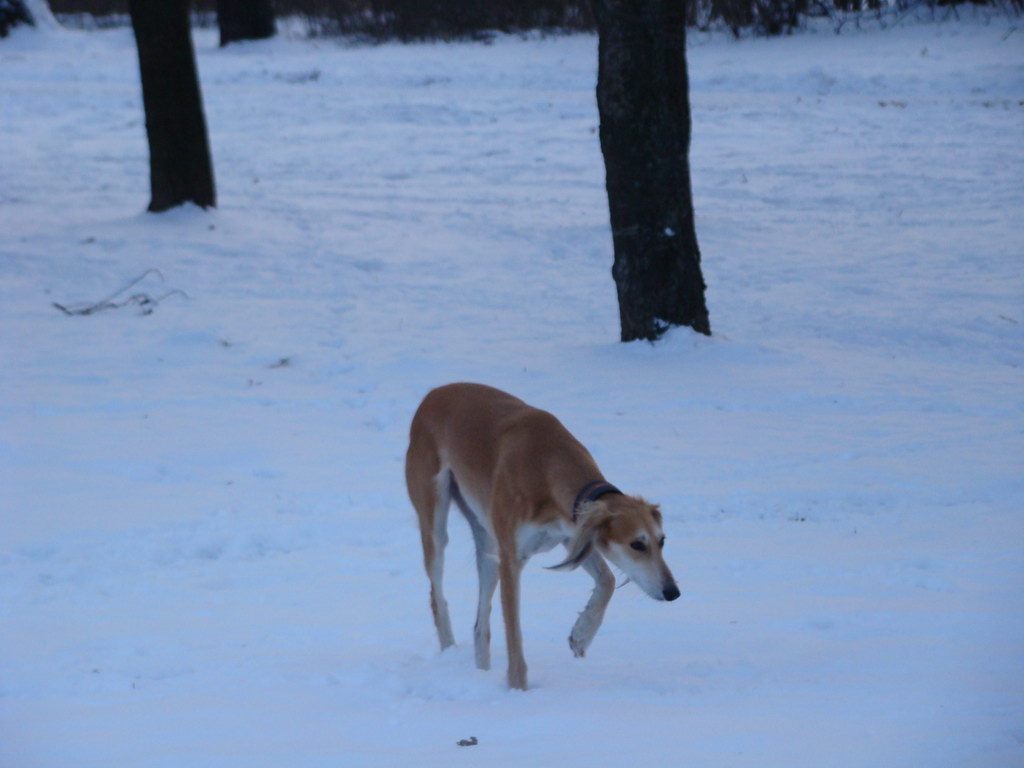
(591, 492)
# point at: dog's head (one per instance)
(627, 531)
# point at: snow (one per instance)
(206, 553)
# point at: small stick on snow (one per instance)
(143, 300)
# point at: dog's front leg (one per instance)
(510, 568)
(591, 617)
(487, 570)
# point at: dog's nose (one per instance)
(671, 592)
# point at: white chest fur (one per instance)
(531, 539)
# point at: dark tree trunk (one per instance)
(12, 13)
(180, 170)
(245, 20)
(643, 101)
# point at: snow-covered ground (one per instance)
(206, 553)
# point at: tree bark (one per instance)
(245, 20)
(180, 169)
(13, 13)
(643, 102)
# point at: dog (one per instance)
(525, 485)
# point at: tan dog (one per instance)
(525, 485)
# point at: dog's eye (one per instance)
(661, 542)
(639, 546)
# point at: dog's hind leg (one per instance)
(430, 492)
(487, 571)
(591, 617)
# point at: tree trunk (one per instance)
(244, 20)
(180, 170)
(12, 13)
(643, 101)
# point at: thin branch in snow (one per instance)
(144, 301)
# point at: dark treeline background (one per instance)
(461, 19)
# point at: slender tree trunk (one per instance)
(643, 101)
(180, 169)
(12, 13)
(245, 20)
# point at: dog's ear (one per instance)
(590, 517)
